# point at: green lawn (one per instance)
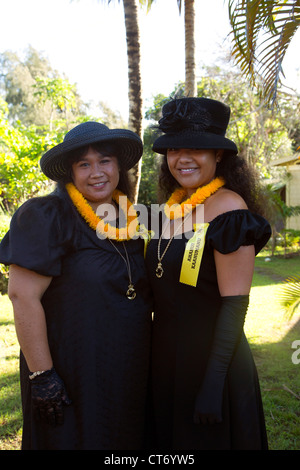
(270, 335)
(10, 404)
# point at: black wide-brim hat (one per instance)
(194, 123)
(129, 147)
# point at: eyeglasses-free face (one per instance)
(96, 176)
(193, 168)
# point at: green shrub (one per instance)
(4, 226)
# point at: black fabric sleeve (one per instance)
(233, 229)
(36, 238)
(228, 330)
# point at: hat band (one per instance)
(198, 128)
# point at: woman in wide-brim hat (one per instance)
(81, 298)
(205, 387)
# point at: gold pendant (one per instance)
(159, 270)
(131, 293)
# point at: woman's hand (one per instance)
(228, 331)
(208, 405)
(49, 395)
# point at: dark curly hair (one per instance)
(239, 177)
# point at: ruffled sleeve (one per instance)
(228, 231)
(35, 239)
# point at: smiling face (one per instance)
(193, 168)
(96, 176)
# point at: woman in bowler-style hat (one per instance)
(81, 299)
(204, 382)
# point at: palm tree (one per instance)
(134, 65)
(262, 31)
(190, 49)
(290, 295)
(135, 122)
(134, 70)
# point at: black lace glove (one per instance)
(229, 327)
(48, 397)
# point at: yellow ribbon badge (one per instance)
(193, 255)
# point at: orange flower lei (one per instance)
(96, 223)
(175, 210)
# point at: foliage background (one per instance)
(38, 106)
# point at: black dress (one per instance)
(184, 319)
(99, 339)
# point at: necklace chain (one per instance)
(131, 292)
(94, 222)
(182, 209)
(159, 269)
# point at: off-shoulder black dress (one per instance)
(99, 339)
(184, 319)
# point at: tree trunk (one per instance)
(135, 122)
(190, 63)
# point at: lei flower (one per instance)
(175, 210)
(96, 223)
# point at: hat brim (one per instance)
(192, 139)
(130, 150)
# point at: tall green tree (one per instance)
(59, 92)
(262, 31)
(35, 93)
(36, 108)
(17, 78)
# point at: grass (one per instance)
(10, 403)
(270, 335)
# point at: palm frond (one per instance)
(289, 295)
(262, 31)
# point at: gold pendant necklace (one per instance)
(183, 209)
(131, 292)
(159, 269)
(94, 222)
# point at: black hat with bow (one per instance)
(194, 123)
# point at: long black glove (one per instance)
(48, 395)
(229, 327)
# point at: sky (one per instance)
(85, 40)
